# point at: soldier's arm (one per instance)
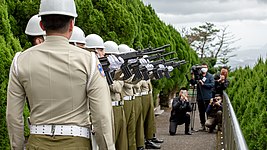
(14, 110)
(116, 86)
(101, 109)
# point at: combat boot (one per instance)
(150, 145)
(156, 140)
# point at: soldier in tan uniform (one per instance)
(95, 43)
(58, 81)
(140, 143)
(34, 32)
(128, 97)
(77, 37)
(121, 142)
(149, 116)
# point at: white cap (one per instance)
(33, 27)
(123, 48)
(77, 35)
(111, 47)
(94, 41)
(59, 7)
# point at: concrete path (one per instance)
(197, 141)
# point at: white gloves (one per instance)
(170, 68)
(161, 67)
(143, 61)
(115, 63)
(131, 61)
(149, 67)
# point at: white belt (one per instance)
(70, 130)
(128, 98)
(137, 94)
(117, 103)
(144, 93)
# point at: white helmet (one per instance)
(59, 7)
(94, 41)
(77, 35)
(123, 48)
(132, 50)
(33, 27)
(111, 47)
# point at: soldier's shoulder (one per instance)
(80, 50)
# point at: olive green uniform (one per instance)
(138, 116)
(148, 109)
(120, 138)
(128, 97)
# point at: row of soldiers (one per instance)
(132, 118)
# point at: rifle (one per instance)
(105, 65)
(126, 68)
(158, 56)
(155, 49)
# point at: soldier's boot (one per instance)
(150, 145)
(156, 140)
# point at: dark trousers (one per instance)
(202, 106)
(173, 124)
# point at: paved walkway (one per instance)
(197, 141)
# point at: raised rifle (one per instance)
(105, 65)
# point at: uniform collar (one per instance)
(56, 39)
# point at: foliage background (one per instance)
(123, 21)
(248, 95)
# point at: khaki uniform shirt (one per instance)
(144, 86)
(136, 88)
(116, 89)
(60, 81)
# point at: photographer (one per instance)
(214, 112)
(205, 85)
(221, 82)
(179, 113)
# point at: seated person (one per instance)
(179, 113)
(214, 112)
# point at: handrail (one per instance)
(233, 138)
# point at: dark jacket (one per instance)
(219, 86)
(204, 92)
(213, 109)
(179, 109)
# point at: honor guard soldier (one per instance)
(121, 143)
(95, 43)
(128, 97)
(34, 32)
(77, 37)
(63, 84)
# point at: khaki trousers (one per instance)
(148, 116)
(130, 123)
(139, 122)
(46, 142)
(121, 142)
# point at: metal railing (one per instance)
(233, 138)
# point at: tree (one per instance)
(211, 42)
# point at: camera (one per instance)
(196, 70)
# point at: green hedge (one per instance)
(248, 95)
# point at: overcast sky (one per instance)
(247, 19)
